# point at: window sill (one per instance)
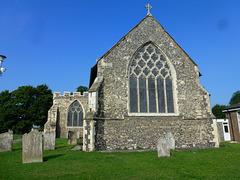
(74, 126)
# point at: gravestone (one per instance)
(78, 133)
(80, 142)
(170, 140)
(32, 147)
(49, 140)
(72, 138)
(163, 148)
(6, 141)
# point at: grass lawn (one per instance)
(62, 163)
(17, 136)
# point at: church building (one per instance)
(145, 86)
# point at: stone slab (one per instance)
(6, 141)
(77, 148)
(49, 140)
(162, 147)
(72, 138)
(32, 147)
(170, 140)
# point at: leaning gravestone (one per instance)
(32, 147)
(6, 141)
(163, 148)
(72, 138)
(49, 140)
(170, 140)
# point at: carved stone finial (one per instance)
(148, 7)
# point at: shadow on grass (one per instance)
(51, 157)
(17, 149)
(61, 146)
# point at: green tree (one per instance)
(5, 111)
(26, 106)
(217, 111)
(42, 104)
(235, 98)
(82, 89)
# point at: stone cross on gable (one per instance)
(148, 7)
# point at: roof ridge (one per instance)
(123, 37)
(151, 16)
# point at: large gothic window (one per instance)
(150, 82)
(75, 115)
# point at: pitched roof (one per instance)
(147, 16)
(232, 108)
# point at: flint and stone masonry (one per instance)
(143, 87)
(58, 113)
(32, 147)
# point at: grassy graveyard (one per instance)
(62, 163)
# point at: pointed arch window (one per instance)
(75, 115)
(150, 82)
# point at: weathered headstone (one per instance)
(78, 133)
(72, 138)
(49, 140)
(32, 147)
(170, 140)
(6, 141)
(80, 142)
(163, 148)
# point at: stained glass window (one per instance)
(152, 94)
(150, 82)
(75, 115)
(161, 95)
(169, 93)
(133, 94)
(142, 94)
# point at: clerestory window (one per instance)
(75, 115)
(150, 82)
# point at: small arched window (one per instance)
(150, 82)
(75, 115)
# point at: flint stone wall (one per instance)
(116, 127)
(6, 141)
(32, 147)
(62, 102)
(87, 134)
(143, 132)
(191, 98)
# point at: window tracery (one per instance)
(150, 82)
(75, 115)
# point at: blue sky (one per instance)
(56, 42)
